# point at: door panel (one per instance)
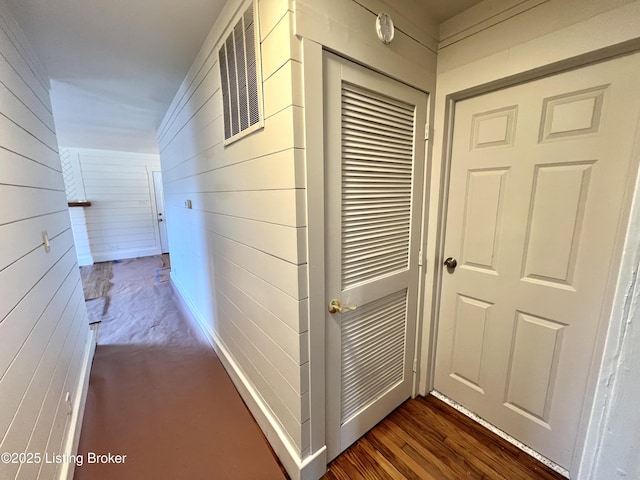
(373, 339)
(374, 164)
(536, 210)
(162, 218)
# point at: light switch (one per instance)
(187, 204)
(45, 239)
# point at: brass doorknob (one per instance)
(334, 306)
(451, 263)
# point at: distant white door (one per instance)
(538, 200)
(161, 216)
(374, 172)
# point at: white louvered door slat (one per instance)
(372, 351)
(374, 172)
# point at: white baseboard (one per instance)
(85, 260)
(313, 466)
(124, 254)
(75, 423)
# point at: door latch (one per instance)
(334, 306)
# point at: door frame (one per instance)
(314, 170)
(370, 77)
(164, 247)
(592, 421)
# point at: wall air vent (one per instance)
(240, 78)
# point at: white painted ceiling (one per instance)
(115, 65)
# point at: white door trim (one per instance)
(161, 216)
(603, 366)
(313, 170)
(399, 282)
(314, 174)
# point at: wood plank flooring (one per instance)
(426, 439)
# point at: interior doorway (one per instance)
(374, 174)
(160, 212)
(537, 209)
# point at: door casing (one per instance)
(415, 250)
(434, 249)
(161, 216)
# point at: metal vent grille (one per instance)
(373, 346)
(224, 80)
(243, 101)
(377, 167)
(252, 78)
(239, 77)
(232, 71)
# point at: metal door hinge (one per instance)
(426, 131)
(420, 258)
(415, 365)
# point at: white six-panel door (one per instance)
(538, 197)
(374, 148)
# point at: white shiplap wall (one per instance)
(45, 341)
(121, 221)
(238, 256)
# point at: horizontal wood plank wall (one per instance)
(43, 322)
(121, 221)
(348, 29)
(238, 254)
(494, 28)
(74, 189)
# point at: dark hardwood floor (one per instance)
(426, 439)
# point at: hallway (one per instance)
(158, 393)
(160, 399)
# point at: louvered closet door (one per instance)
(374, 161)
